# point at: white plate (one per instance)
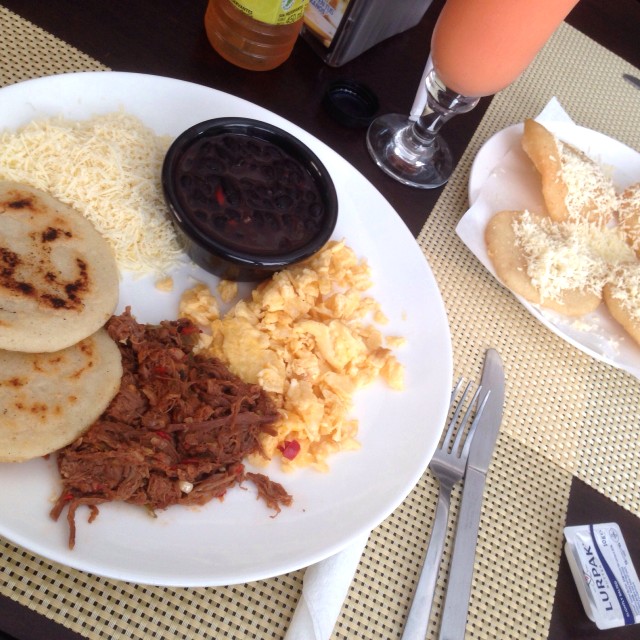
(490, 154)
(502, 177)
(237, 541)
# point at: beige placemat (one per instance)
(28, 52)
(580, 427)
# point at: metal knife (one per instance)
(454, 615)
(632, 80)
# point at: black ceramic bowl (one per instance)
(247, 197)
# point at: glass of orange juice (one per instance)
(478, 47)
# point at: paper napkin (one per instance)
(324, 589)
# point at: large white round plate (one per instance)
(503, 177)
(237, 540)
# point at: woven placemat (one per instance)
(29, 52)
(580, 428)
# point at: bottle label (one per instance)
(272, 11)
(323, 18)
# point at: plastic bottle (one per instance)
(254, 34)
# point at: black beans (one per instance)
(248, 193)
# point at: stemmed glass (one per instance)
(411, 150)
(478, 48)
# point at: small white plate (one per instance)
(237, 540)
(503, 177)
(489, 156)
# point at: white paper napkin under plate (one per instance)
(324, 589)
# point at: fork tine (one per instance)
(454, 393)
(465, 420)
(454, 418)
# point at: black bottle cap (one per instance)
(351, 103)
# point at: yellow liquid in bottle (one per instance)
(246, 42)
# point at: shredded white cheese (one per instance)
(588, 188)
(580, 325)
(626, 281)
(108, 168)
(565, 256)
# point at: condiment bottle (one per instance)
(254, 34)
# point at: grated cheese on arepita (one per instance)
(588, 187)
(562, 256)
(108, 168)
(627, 289)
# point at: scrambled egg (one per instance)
(307, 336)
(165, 284)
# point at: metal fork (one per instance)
(448, 465)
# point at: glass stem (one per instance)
(427, 126)
(442, 105)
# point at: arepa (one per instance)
(47, 400)
(58, 276)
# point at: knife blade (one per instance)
(632, 80)
(454, 615)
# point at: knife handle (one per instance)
(456, 604)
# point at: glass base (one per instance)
(396, 150)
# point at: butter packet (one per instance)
(604, 574)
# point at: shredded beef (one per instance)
(271, 492)
(176, 432)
